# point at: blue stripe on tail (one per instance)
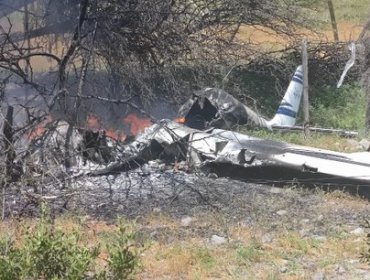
(287, 112)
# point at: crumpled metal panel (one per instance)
(213, 107)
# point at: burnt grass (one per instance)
(177, 194)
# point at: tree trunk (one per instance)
(333, 20)
(9, 154)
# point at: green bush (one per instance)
(123, 258)
(49, 253)
(365, 256)
(339, 108)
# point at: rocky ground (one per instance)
(204, 227)
(262, 232)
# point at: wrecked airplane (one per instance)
(213, 107)
(200, 147)
(231, 154)
(238, 156)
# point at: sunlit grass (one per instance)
(189, 254)
(356, 11)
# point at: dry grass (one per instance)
(268, 39)
(246, 256)
(311, 237)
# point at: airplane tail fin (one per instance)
(288, 109)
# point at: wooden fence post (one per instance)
(333, 20)
(305, 90)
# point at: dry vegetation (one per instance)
(292, 234)
(304, 241)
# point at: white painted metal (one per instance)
(288, 109)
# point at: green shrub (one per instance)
(249, 253)
(339, 108)
(49, 253)
(365, 256)
(123, 257)
(204, 257)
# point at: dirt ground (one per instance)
(263, 232)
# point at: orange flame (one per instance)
(93, 123)
(39, 129)
(136, 124)
(180, 120)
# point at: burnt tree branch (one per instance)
(9, 154)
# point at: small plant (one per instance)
(46, 253)
(49, 253)
(10, 260)
(365, 256)
(250, 253)
(123, 255)
(204, 257)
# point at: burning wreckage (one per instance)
(199, 141)
(199, 138)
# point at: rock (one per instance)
(282, 212)
(304, 232)
(157, 210)
(319, 238)
(352, 144)
(358, 231)
(340, 269)
(284, 269)
(319, 275)
(266, 238)
(217, 240)
(186, 221)
(320, 218)
(305, 221)
(365, 144)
